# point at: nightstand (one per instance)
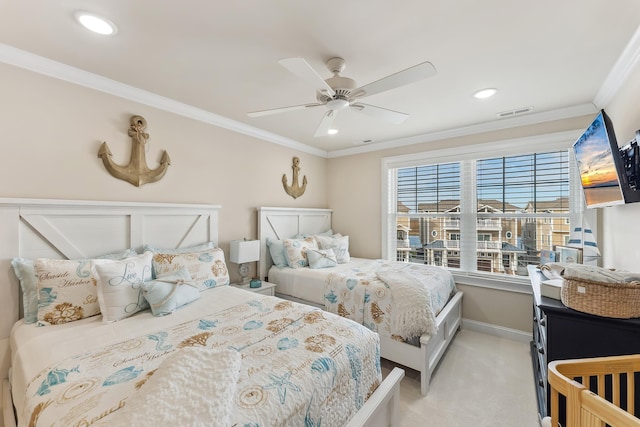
(266, 288)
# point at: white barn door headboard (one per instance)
(285, 223)
(66, 229)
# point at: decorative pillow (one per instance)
(120, 286)
(195, 248)
(340, 246)
(328, 233)
(167, 293)
(66, 291)
(296, 251)
(321, 258)
(207, 268)
(26, 274)
(276, 250)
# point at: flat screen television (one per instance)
(599, 164)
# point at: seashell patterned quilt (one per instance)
(300, 365)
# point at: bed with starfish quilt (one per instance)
(276, 363)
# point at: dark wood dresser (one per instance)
(562, 333)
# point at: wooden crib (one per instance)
(595, 392)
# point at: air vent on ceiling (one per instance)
(516, 112)
(363, 142)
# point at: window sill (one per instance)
(519, 284)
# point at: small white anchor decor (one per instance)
(136, 172)
(295, 190)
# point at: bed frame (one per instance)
(282, 223)
(42, 228)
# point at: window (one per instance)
(488, 210)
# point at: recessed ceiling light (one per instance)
(95, 23)
(332, 131)
(485, 93)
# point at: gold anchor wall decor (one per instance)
(136, 172)
(295, 190)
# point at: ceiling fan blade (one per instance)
(281, 110)
(390, 116)
(401, 78)
(325, 123)
(301, 68)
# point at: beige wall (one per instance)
(354, 184)
(50, 133)
(620, 224)
(495, 307)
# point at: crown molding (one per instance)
(621, 70)
(515, 146)
(38, 64)
(624, 66)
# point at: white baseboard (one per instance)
(496, 330)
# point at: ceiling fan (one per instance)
(337, 93)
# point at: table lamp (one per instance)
(243, 252)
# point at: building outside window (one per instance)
(484, 215)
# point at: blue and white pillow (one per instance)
(167, 293)
(321, 258)
(295, 251)
(276, 250)
(327, 233)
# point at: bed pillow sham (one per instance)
(321, 258)
(120, 286)
(168, 293)
(340, 246)
(276, 250)
(207, 267)
(186, 249)
(24, 270)
(66, 291)
(327, 233)
(295, 251)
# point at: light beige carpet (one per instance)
(482, 381)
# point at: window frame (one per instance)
(505, 148)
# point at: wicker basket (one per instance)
(618, 300)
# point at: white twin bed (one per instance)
(243, 357)
(415, 327)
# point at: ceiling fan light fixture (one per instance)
(95, 23)
(337, 104)
(485, 93)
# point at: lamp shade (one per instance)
(241, 251)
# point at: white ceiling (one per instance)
(222, 56)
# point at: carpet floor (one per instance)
(482, 381)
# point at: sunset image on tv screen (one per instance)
(597, 167)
